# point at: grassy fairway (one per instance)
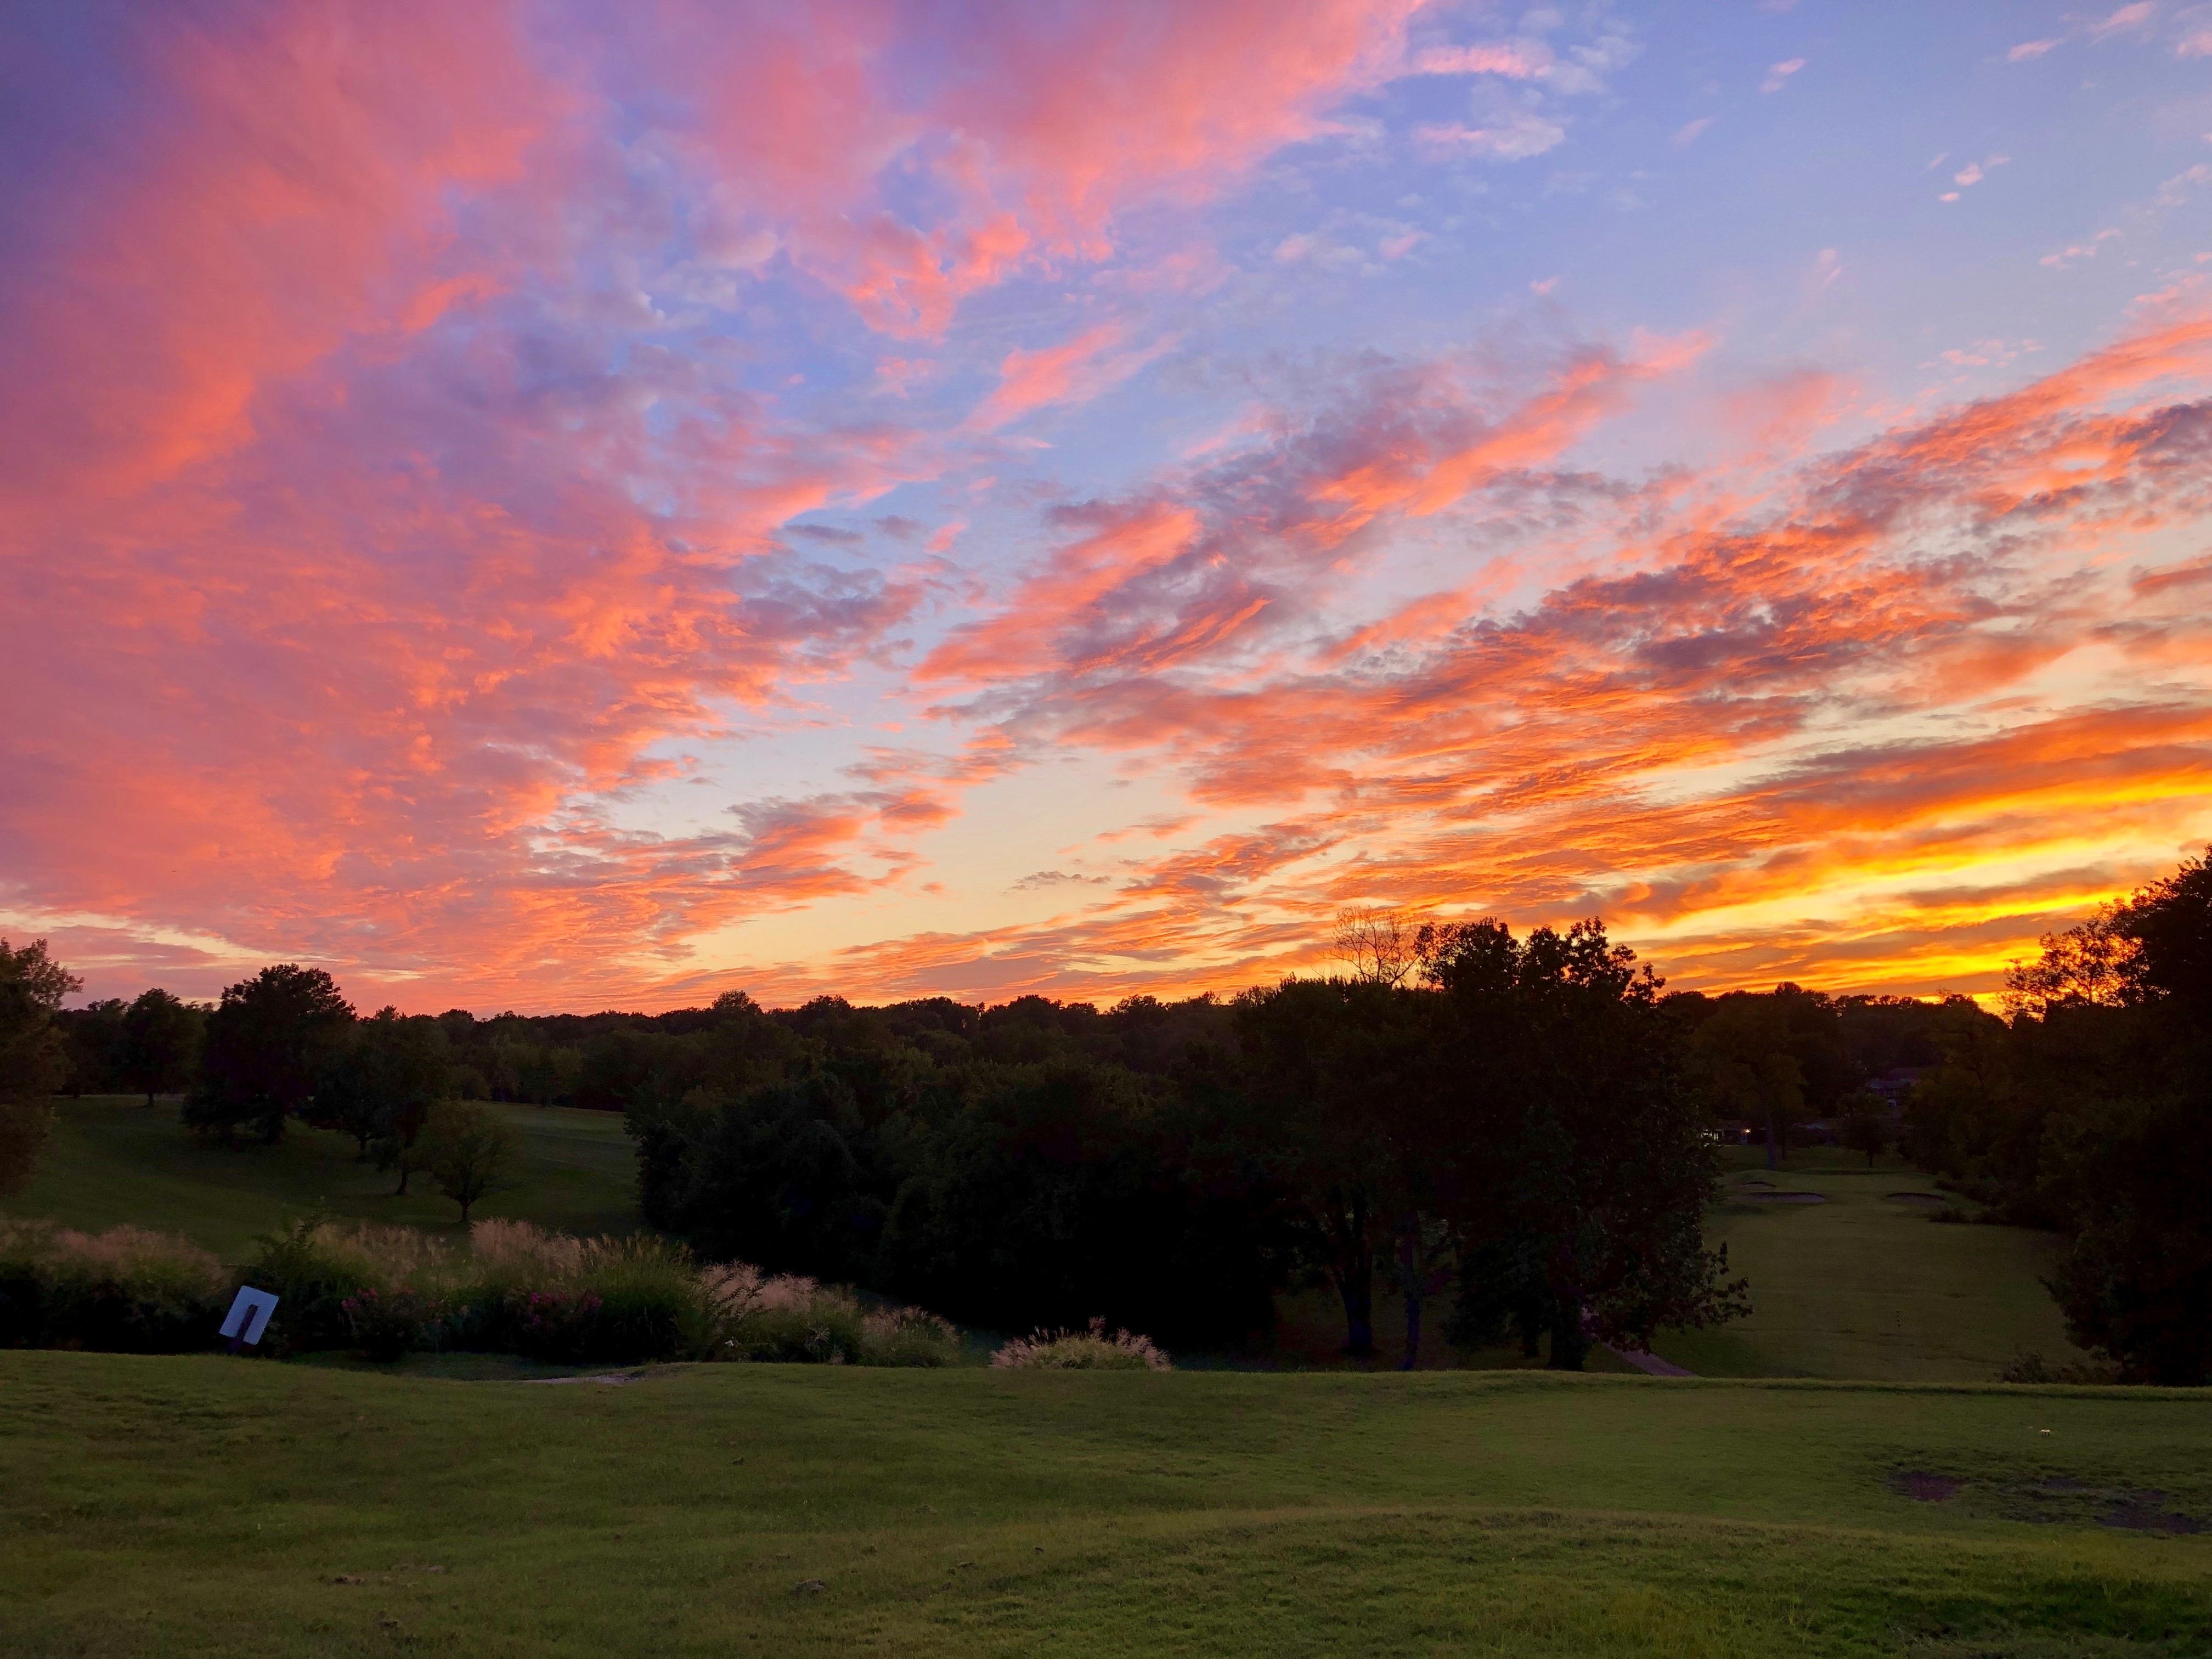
(1863, 1285)
(113, 1160)
(208, 1505)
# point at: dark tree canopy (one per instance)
(377, 1084)
(1585, 1145)
(2091, 1112)
(160, 1047)
(267, 1042)
(32, 1061)
(470, 1152)
(92, 1046)
(1333, 1083)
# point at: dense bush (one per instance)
(314, 1270)
(389, 1323)
(125, 1290)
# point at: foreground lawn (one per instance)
(113, 1160)
(209, 1506)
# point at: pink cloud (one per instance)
(1513, 62)
(1073, 371)
(2124, 19)
(1053, 122)
(1516, 137)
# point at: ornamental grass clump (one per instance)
(791, 1318)
(127, 1290)
(387, 1291)
(648, 1302)
(584, 1301)
(1093, 1350)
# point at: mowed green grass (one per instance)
(1863, 1285)
(211, 1506)
(113, 1160)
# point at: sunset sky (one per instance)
(570, 505)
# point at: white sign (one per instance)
(249, 1315)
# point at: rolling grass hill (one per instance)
(234, 1507)
(114, 1160)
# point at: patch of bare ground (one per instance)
(2051, 1499)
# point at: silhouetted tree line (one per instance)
(1514, 1118)
(1515, 1133)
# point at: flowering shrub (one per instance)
(558, 1326)
(313, 1268)
(387, 1324)
(1094, 1350)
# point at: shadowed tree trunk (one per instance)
(1355, 1273)
(1570, 1341)
(1419, 1277)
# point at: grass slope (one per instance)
(1863, 1285)
(113, 1160)
(215, 1506)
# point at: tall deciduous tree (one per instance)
(267, 1043)
(470, 1152)
(2170, 922)
(2131, 1139)
(1335, 1076)
(1582, 1142)
(31, 987)
(92, 1046)
(383, 1080)
(161, 1041)
(1751, 1067)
